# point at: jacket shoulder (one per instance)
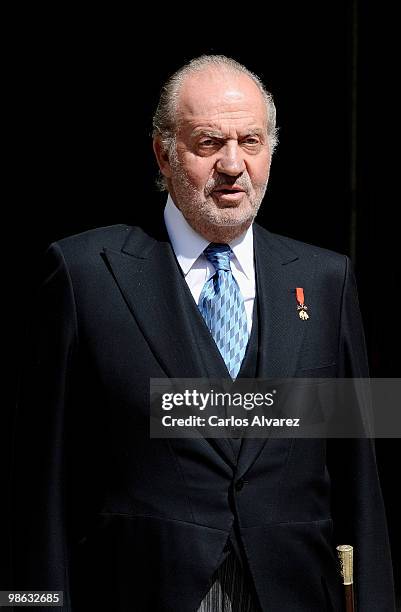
(290, 248)
(83, 252)
(111, 236)
(86, 246)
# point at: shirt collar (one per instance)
(188, 245)
(243, 250)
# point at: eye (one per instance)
(251, 140)
(207, 142)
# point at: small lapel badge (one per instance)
(301, 304)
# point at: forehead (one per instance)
(221, 100)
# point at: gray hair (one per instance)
(164, 119)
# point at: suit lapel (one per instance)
(159, 299)
(278, 272)
(152, 285)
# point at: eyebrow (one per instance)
(218, 134)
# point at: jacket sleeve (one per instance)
(39, 551)
(357, 505)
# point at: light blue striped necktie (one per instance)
(222, 306)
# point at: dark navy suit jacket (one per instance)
(123, 522)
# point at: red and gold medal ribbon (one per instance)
(300, 295)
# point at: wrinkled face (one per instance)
(217, 174)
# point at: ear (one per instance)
(162, 157)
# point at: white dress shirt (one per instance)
(188, 247)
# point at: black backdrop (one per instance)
(83, 89)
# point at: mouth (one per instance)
(228, 194)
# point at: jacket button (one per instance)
(239, 484)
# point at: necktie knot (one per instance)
(219, 255)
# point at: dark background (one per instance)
(83, 88)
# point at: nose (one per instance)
(230, 161)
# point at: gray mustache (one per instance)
(245, 185)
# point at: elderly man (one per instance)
(122, 521)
